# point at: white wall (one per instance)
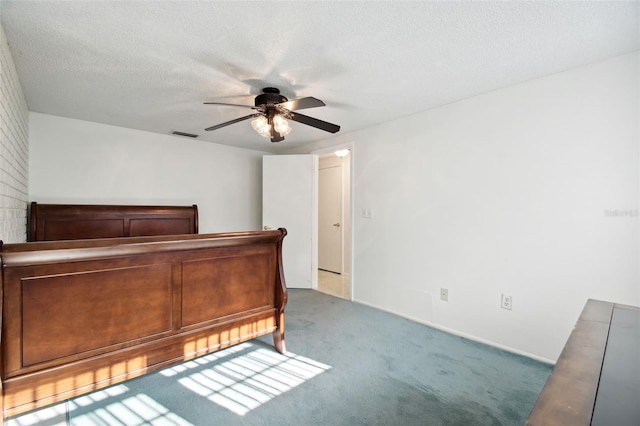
(14, 150)
(514, 191)
(75, 161)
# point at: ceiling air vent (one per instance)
(186, 135)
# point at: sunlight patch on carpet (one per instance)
(136, 410)
(240, 379)
(47, 415)
(244, 382)
(132, 410)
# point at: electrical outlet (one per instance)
(444, 294)
(506, 302)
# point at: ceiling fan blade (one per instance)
(235, 105)
(302, 103)
(237, 120)
(314, 122)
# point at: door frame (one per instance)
(317, 153)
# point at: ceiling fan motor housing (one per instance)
(270, 95)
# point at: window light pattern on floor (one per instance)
(133, 410)
(243, 383)
(240, 379)
(53, 415)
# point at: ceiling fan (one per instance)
(272, 110)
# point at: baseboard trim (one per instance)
(462, 334)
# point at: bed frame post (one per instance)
(195, 219)
(31, 225)
(1, 337)
(281, 298)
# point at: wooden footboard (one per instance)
(81, 315)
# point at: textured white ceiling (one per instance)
(149, 65)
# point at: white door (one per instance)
(330, 224)
(289, 201)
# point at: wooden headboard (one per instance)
(50, 222)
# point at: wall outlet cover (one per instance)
(506, 302)
(444, 294)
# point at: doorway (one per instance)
(334, 224)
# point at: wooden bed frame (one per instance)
(53, 222)
(81, 315)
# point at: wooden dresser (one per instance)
(596, 381)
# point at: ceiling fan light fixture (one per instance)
(261, 125)
(281, 126)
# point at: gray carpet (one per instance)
(348, 364)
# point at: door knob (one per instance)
(266, 227)
(337, 225)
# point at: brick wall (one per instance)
(14, 150)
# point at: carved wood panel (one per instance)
(74, 313)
